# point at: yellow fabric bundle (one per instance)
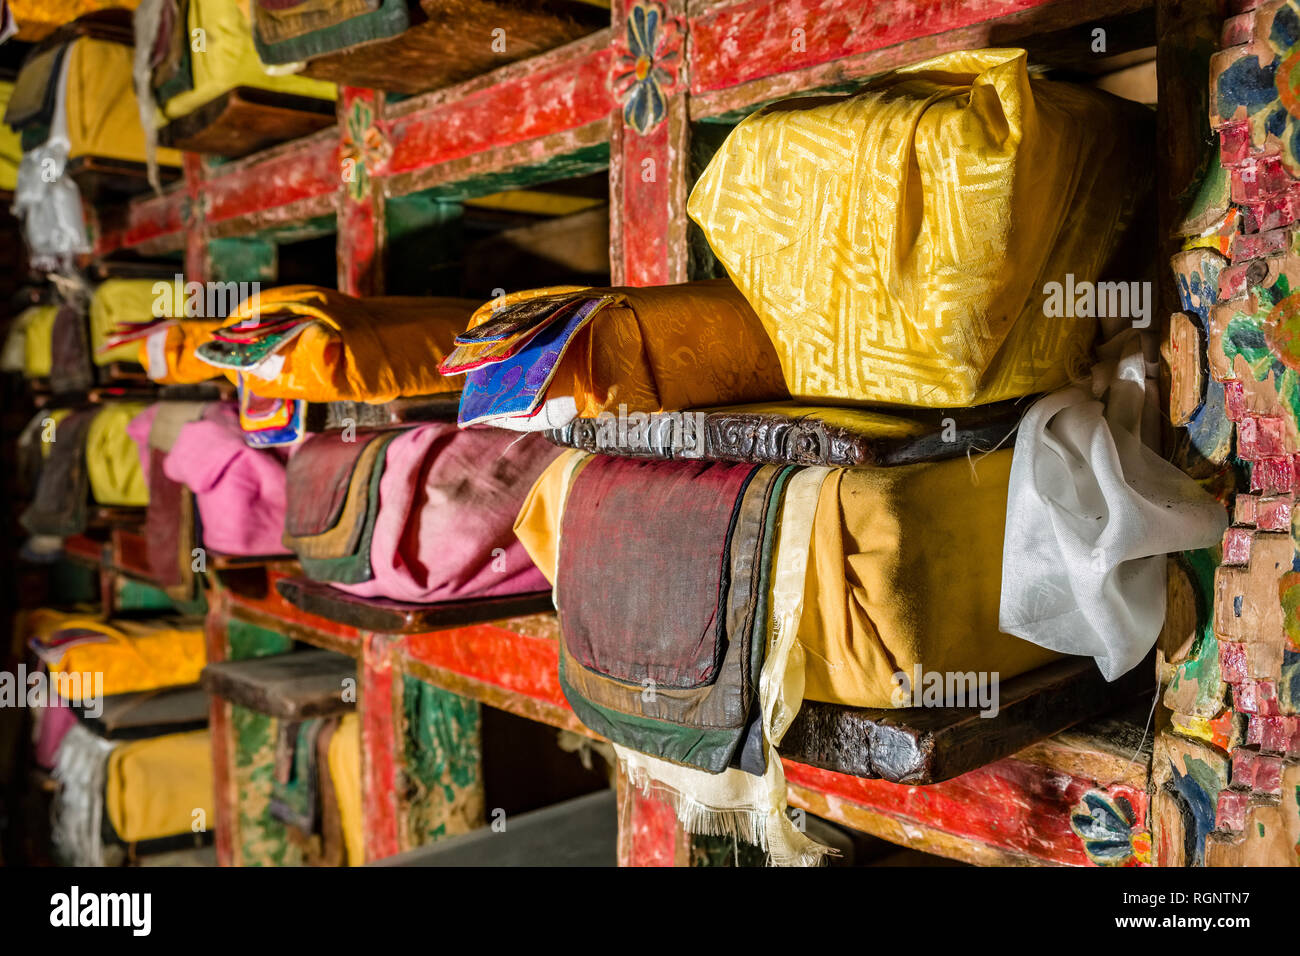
(363, 350)
(113, 458)
(660, 348)
(115, 301)
(11, 144)
(136, 655)
(172, 360)
(28, 345)
(345, 772)
(896, 243)
(229, 59)
(905, 568)
(103, 119)
(154, 785)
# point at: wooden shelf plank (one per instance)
(293, 687)
(397, 617)
(925, 745)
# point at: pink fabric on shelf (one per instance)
(448, 499)
(138, 431)
(56, 720)
(239, 490)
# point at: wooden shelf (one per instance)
(292, 687)
(396, 617)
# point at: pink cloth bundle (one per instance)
(240, 491)
(448, 499)
(56, 719)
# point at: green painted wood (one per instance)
(581, 162)
(263, 841)
(242, 259)
(133, 595)
(244, 640)
(443, 774)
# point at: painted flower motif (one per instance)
(647, 66)
(363, 150)
(1106, 825)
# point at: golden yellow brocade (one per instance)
(113, 459)
(38, 340)
(160, 786)
(896, 242)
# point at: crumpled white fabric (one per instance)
(1091, 513)
(46, 199)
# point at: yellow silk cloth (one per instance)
(103, 119)
(30, 340)
(115, 301)
(363, 350)
(896, 242)
(662, 348)
(229, 59)
(345, 772)
(153, 786)
(905, 567)
(37, 19)
(172, 361)
(137, 655)
(11, 145)
(113, 458)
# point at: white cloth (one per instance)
(1091, 514)
(46, 198)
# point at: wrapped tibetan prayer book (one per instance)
(421, 515)
(113, 461)
(877, 597)
(407, 46)
(131, 655)
(898, 244)
(538, 359)
(312, 344)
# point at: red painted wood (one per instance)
(159, 221)
(304, 169)
(522, 664)
(648, 831)
(196, 245)
(559, 93)
(1014, 805)
(381, 743)
(737, 43)
(272, 605)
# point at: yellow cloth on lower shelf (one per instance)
(345, 772)
(113, 458)
(905, 568)
(230, 59)
(155, 785)
(135, 656)
(896, 243)
(103, 118)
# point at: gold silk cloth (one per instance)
(896, 242)
(103, 118)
